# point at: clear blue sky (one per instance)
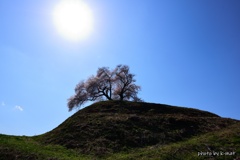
(184, 53)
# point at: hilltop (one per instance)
(129, 130)
(113, 126)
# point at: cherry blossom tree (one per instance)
(116, 84)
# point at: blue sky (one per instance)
(184, 53)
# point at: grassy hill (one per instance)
(130, 130)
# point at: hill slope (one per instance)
(114, 126)
(220, 145)
(225, 140)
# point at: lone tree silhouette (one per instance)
(117, 84)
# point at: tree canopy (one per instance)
(116, 84)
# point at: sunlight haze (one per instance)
(73, 19)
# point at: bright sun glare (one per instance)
(73, 19)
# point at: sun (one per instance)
(73, 19)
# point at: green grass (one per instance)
(226, 140)
(22, 147)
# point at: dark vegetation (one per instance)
(130, 130)
(114, 126)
